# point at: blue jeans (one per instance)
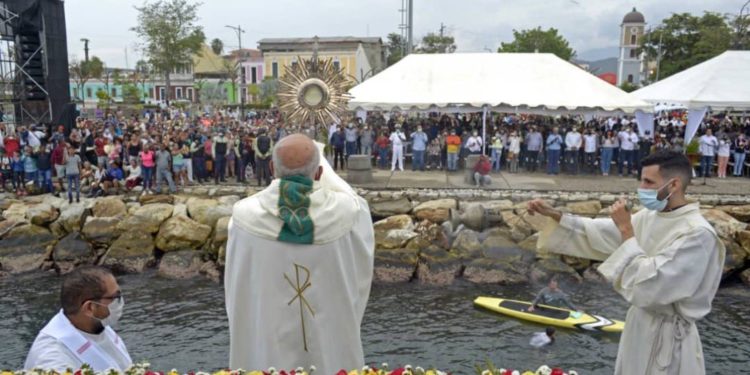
(626, 156)
(32, 176)
(351, 148)
(496, 159)
(383, 161)
(739, 160)
(452, 161)
(164, 174)
(74, 179)
(366, 150)
(147, 177)
(417, 161)
(707, 163)
(45, 179)
(553, 161)
(607, 153)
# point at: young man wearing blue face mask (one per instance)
(666, 261)
(81, 333)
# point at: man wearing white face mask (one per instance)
(666, 261)
(81, 333)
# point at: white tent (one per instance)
(503, 82)
(721, 83)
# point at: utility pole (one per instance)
(411, 28)
(239, 31)
(442, 29)
(85, 48)
(658, 56)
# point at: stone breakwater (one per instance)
(184, 235)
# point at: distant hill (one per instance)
(598, 53)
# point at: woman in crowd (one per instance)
(723, 155)
(147, 167)
(741, 148)
(608, 146)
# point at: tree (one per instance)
(686, 40)
(169, 34)
(230, 71)
(131, 94)
(628, 87)
(395, 48)
(434, 43)
(217, 46)
(254, 91)
(268, 90)
(83, 71)
(538, 40)
(141, 75)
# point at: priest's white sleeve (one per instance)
(581, 237)
(674, 274)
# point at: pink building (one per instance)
(251, 67)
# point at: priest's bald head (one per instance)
(296, 155)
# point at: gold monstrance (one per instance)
(313, 90)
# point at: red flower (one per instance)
(398, 371)
(342, 372)
(557, 371)
(78, 372)
(508, 372)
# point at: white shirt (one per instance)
(589, 143)
(708, 145)
(397, 139)
(540, 339)
(573, 140)
(724, 147)
(474, 143)
(514, 144)
(628, 140)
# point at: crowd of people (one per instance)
(171, 148)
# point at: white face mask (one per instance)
(115, 312)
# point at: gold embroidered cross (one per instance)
(300, 290)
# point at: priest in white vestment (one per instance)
(666, 261)
(299, 265)
(81, 333)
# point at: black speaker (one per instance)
(43, 87)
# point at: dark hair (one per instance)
(550, 331)
(671, 164)
(82, 284)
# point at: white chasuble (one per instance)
(297, 305)
(669, 273)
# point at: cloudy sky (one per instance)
(591, 26)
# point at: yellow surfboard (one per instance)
(548, 315)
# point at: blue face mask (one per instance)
(650, 198)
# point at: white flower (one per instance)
(366, 368)
(272, 370)
(384, 365)
(312, 369)
(515, 372)
(299, 370)
(486, 372)
(572, 372)
(543, 370)
(420, 370)
(407, 367)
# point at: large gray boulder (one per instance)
(147, 218)
(181, 233)
(71, 251)
(25, 248)
(132, 252)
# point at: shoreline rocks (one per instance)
(418, 237)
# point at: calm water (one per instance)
(183, 324)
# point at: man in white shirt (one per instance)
(590, 150)
(628, 142)
(299, 266)
(81, 333)
(474, 143)
(397, 141)
(708, 146)
(573, 141)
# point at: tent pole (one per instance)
(484, 130)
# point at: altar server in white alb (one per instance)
(299, 266)
(666, 261)
(81, 333)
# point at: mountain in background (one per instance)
(598, 54)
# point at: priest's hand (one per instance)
(540, 206)
(620, 213)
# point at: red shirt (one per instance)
(483, 167)
(382, 142)
(58, 155)
(11, 146)
(99, 147)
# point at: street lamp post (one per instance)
(238, 29)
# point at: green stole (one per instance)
(294, 206)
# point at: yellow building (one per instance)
(359, 58)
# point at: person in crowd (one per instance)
(708, 147)
(219, 152)
(418, 149)
(534, 142)
(453, 147)
(628, 143)
(6, 169)
(163, 172)
(545, 338)
(741, 148)
(178, 165)
(231, 155)
(81, 332)
(551, 295)
(554, 145)
(134, 175)
(90, 173)
(19, 178)
(44, 165)
(58, 156)
(148, 160)
(666, 261)
(263, 147)
(609, 143)
(496, 152)
(722, 153)
(73, 173)
(590, 145)
(433, 155)
(351, 135)
(366, 139)
(573, 142)
(198, 153)
(381, 144)
(325, 257)
(514, 151)
(474, 144)
(338, 143)
(397, 140)
(482, 171)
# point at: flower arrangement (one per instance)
(144, 368)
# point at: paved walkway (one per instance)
(541, 182)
